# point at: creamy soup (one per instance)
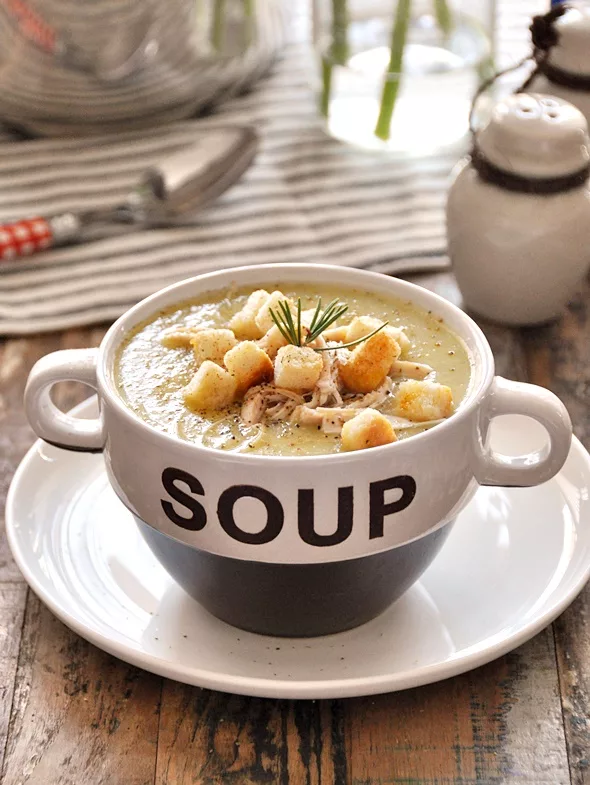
(152, 373)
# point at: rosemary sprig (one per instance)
(292, 331)
(322, 320)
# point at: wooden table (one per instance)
(70, 714)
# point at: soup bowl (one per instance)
(304, 545)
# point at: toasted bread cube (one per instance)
(297, 368)
(264, 320)
(212, 387)
(243, 324)
(272, 341)
(180, 337)
(402, 339)
(363, 325)
(337, 334)
(422, 401)
(212, 345)
(307, 316)
(369, 363)
(368, 429)
(399, 335)
(249, 365)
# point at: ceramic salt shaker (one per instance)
(563, 70)
(518, 212)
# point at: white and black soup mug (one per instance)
(305, 545)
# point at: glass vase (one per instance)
(399, 75)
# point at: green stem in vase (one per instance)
(249, 17)
(444, 17)
(218, 26)
(391, 85)
(337, 53)
(326, 85)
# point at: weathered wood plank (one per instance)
(559, 358)
(572, 632)
(487, 727)
(12, 605)
(79, 715)
(208, 737)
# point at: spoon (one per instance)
(180, 184)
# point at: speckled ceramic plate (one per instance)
(515, 559)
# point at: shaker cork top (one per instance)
(571, 52)
(537, 136)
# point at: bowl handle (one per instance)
(508, 397)
(48, 422)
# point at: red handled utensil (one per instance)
(179, 185)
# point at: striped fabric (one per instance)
(307, 198)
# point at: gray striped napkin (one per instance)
(307, 198)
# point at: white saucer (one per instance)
(515, 560)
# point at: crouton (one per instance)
(369, 363)
(297, 368)
(337, 334)
(243, 324)
(264, 320)
(422, 401)
(307, 316)
(399, 335)
(249, 365)
(212, 345)
(409, 369)
(212, 387)
(180, 337)
(363, 325)
(272, 341)
(368, 429)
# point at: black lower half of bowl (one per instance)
(295, 600)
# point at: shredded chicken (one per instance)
(281, 410)
(327, 389)
(266, 399)
(402, 423)
(253, 409)
(326, 407)
(373, 399)
(410, 370)
(329, 418)
(277, 403)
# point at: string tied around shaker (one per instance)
(544, 36)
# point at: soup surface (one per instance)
(151, 376)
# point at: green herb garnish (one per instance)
(291, 329)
